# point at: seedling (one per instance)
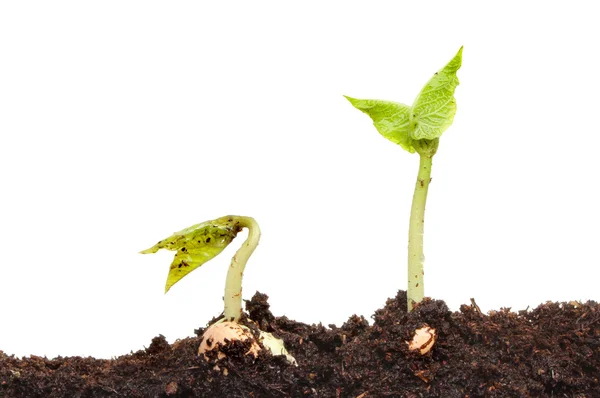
(418, 128)
(201, 243)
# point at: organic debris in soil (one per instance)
(552, 351)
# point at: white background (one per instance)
(122, 122)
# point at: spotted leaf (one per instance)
(196, 245)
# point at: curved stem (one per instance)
(233, 283)
(416, 258)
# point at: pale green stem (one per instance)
(233, 283)
(416, 258)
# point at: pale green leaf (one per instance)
(391, 119)
(276, 346)
(196, 245)
(434, 108)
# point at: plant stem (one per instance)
(416, 258)
(233, 283)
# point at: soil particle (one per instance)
(551, 351)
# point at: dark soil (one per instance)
(551, 351)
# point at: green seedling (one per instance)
(202, 242)
(418, 128)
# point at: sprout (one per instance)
(202, 242)
(418, 128)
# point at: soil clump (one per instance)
(550, 351)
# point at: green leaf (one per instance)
(430, 115)
(196, 245)
(391, 119)
(434, 108)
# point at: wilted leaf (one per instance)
(196, 245)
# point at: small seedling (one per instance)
(417, 128)
(202, 242)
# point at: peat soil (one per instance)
(550, 351)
